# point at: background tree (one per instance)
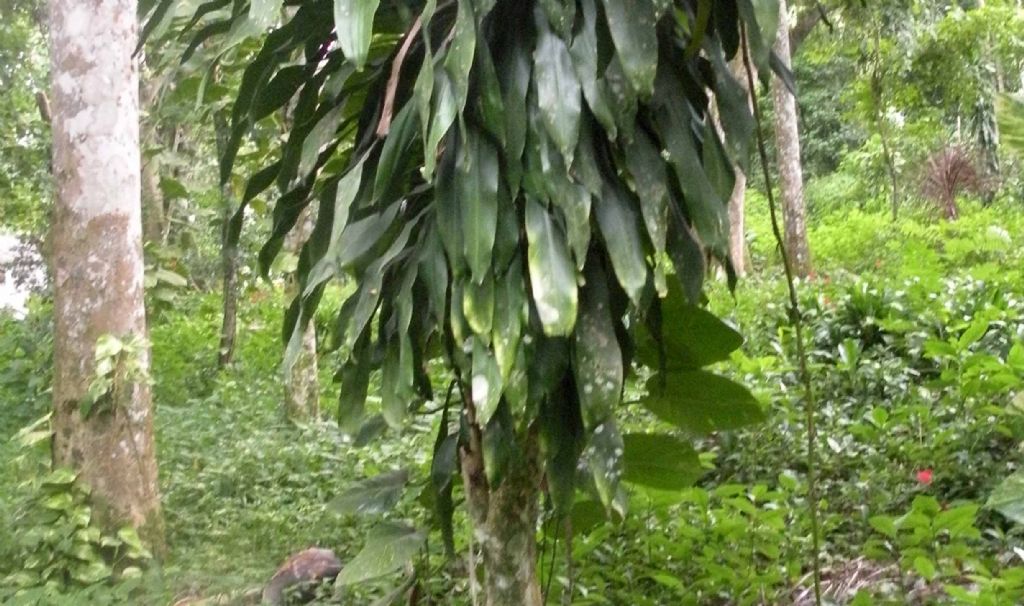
(103, 423)
(787, 144)
(505, 181)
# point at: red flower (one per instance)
(925, 476)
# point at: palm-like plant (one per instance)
(511, 184)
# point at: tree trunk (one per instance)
(98, 259)
(152, 201)
(737, 229)
(737, 201)
(301, 384)
(787, 142)
(882, 124)
(152, 196)
(228, 259)
(229, 321)
(504, 520)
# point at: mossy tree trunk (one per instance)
(504, 519)
(97, 241)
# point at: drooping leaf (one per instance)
(597, 359)
(443, 467)
(445, 110)
(459, 59)
(389, 547)
(650, 183)
(478, 304)
(558, 90)
(585, 58)
(561, 435)
(705, 208)
(620, 227)
(499, 447)
(701, 402)
(686, 254)
(394, 156)
(509, 314)
(490, 104)
(660, 461)
(396, 382)
(485, 384)
(372, 496)
(514, 73)
(353, 22)
(263, 13)
(552, 272)
(354, 377)
(632, 25)
(604, 454)
(477, 171)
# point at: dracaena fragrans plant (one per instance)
(529, 192)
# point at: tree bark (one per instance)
(787, 142)
(737, 201)
(882, 123)
(152, 196)
(504, 519)
(98, 264)
(301, 384)
(228, 259)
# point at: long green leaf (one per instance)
(558, 90)
(632, 24)
(477, 171)
(353, 22)
(620, 228)
(552, 273)
(597, 359)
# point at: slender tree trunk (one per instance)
(787, 142)
(152, 196)
(152, 201)
(737, 227)
(301, 383)
(737, 201)
(883, 126)
(228, 260)
(98, 258)
(504, 520)
(229, 291)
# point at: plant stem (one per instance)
(797, 321)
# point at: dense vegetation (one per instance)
(913, 326)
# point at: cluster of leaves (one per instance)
(24, 145)
(57, 549)
(730, 543)
(26, 348)
(119, 366)
(509, 183)
(940, 544)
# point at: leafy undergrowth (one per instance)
(917, 357)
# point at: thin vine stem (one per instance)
(796, 319)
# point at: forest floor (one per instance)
(915, 330)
